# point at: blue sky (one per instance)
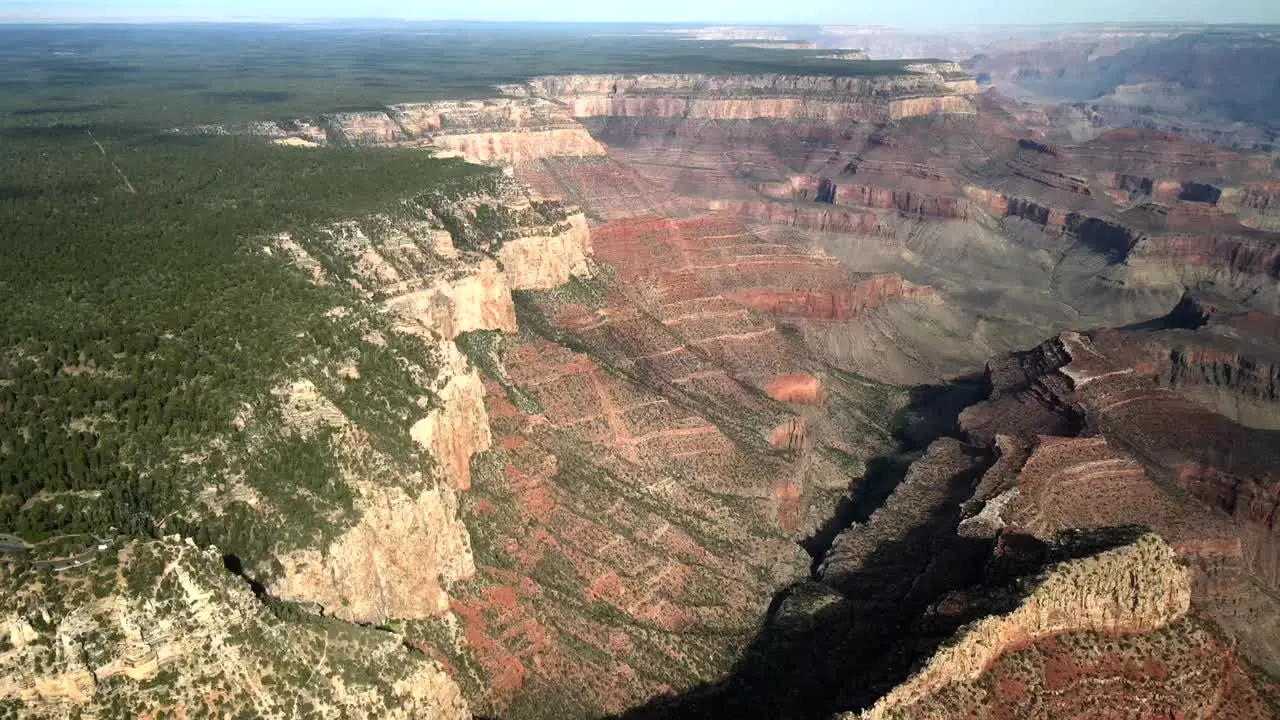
(901, 13)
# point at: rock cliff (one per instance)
(498, 131)
(409, 547)
(1132, 589)
(100, 639)
(923, 90)
(541, 262)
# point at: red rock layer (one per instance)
(1260, 256)
(608, 189)
(692, 258)
(1071, 483)
(799, 388)
(633, 523)
(904, 201)
(837, 305)
(607, 573)
(1227, 466)
(820, 217)
(1181, 671)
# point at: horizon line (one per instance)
(238, 20)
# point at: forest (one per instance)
(141, 315)
(183, 75)
(143, 319)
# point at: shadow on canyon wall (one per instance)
(823, 650)
(932, 412)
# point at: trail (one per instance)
(128, 185)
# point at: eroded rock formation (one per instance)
(1134, 589)
(925, 90)
(167, 609)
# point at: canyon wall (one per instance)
(499, 131)
(922, 90)
(409, 546)
(540, 262)
(1133, 589)
(167, 609)
(836, 305)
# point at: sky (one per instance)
(913, 13)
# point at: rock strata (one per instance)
(1134, 589)
(167, 609)
(924, 90)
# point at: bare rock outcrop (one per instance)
(395, 563)
(472, 298)
(923, 90)
(839, 304)
(798, 388)
(92, 640)
(543, 261)
(501, 131)
(1150, 431)
(498, 131)
(447, 267)
(459, 427)
(1133, 589)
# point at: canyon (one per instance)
(863, 395)
(778, 255)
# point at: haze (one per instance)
(927, 13)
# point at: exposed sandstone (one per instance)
(499, 131)
(408, 544)
(904, 201)
(512, 148)
(1208, 256)
(459, 427)
(1135, 588)
(824, 218)
(790, 435)
(821, 99)
(835, 305)
(539, 262)
(363, 128)
(169, 608)
(799, 388)
(395, 563)
(408, 547)
(1086, 483)
(476, 298)
(792, 109)
(1226, 466)
(557, 86)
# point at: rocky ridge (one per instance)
(161, 625)
(498, 131)
(925, 89)
(412, 267)
(1137, 588)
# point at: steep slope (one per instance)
(161, 627)
(330, 485)
(1085, 629)
(645, 492)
